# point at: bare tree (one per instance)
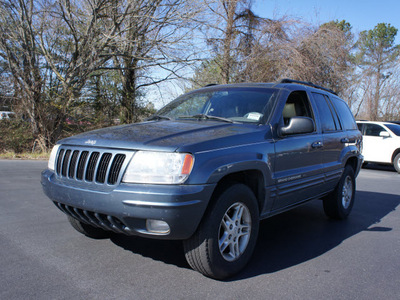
(389, 105)
(271, 46)
(376, 54)
(20, 50)
(39, 39)
(230, 34)
(322, 56)
(154, 37)
(52, 48)
(75, 41)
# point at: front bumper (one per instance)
(125, 208)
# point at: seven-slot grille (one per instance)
(90, 165)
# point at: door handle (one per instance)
(344, 140)
(317, 144)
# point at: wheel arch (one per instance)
(254, 179)
(395, 152)
(352, 162)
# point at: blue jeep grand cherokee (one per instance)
(208, 167)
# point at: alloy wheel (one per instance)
(234, 232)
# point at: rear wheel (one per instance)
(88, 230)
(396, 163)
(225, 240)
(339, 203)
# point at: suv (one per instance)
(381, 142)
(208, 167)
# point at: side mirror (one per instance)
(298, 125)
(384, 134)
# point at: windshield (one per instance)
(250, 105)
(394, 128)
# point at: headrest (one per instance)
(289, 111)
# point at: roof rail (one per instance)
(308, 83)
(210, 84)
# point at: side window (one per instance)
(346, 117)
(373, 129)
(334, 113)
(360, 126)
(297, 105)
(325, 113)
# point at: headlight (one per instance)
(52, 159)
(159, 167)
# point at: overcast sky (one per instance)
(362, 15)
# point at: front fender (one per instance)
(211, 166)
(352, 151)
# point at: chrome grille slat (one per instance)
(71, 211)
(65, 163)
(81, 215)
(91, 219)
(115, 168)
(61, 207)
(101, 222)
(59, 161)
(117, 227)
(81, 165)
(72, 164)
(103, 167)
(91, 167)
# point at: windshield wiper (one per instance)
(208, 117)
(158, 118)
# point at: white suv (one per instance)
(381, 142)
(6, 115)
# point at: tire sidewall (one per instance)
(237, 193)
(344, 212)
(396, 163)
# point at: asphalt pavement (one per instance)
(300, 254)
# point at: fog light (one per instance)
(157, 226)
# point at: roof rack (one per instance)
(308, 83)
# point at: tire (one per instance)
(225, 240)
(339, 203)
(88, 230)
(396, 163)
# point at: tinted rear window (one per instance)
(325, 114)
(346, 117)
(394, 128)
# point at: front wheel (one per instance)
(396, 163)
(225, 240)
(339, 203)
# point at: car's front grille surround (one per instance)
(98, 166)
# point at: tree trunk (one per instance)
(128, 104)
(230, 7)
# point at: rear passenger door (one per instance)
(334, 138)
(298, 170)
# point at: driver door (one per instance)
(298, 157)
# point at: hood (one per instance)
(191, 136)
